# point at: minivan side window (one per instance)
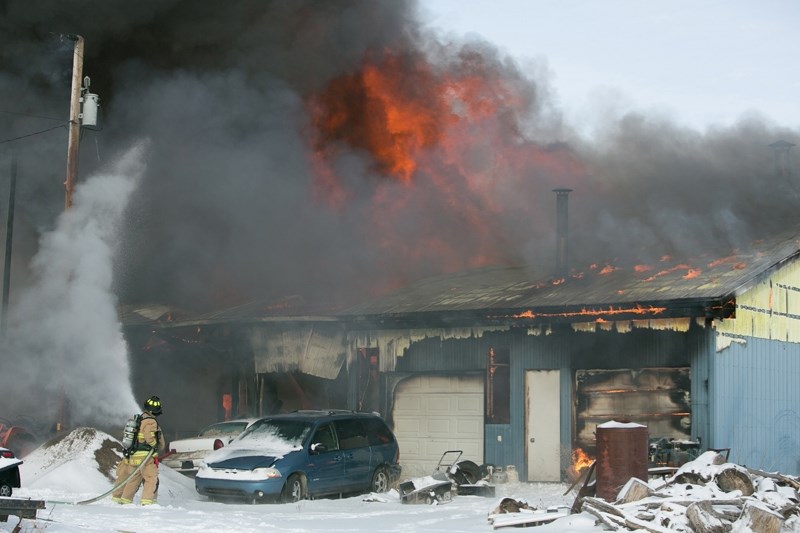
(377, 432)
(325, 436)
(351, 433)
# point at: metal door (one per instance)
(325, 467)
(543, 424)
(354, 444)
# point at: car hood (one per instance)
(251, 453)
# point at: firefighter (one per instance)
(149, 437)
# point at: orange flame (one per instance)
(669, 271)
(374, 110)
(430, 152)
(692, 273)
(608, 269)
(611, 311)
(580, 462)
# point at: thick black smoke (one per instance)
(225, 212)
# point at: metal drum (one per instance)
(622, 450)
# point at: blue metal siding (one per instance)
(755, 397)
(563, 349)
(701, 353)
(499, 453)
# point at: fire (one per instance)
(580, 462)
(431, 161)
(670, 271)
(611, 311)
(692, 273)
(722, 261)
(608, 269)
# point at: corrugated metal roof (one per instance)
(668, 289)
(609, 286)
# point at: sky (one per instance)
(70, 471)
(702, 63)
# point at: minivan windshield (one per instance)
(291, 431)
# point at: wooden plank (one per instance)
(17, 503)
(19, 507)
(525, 519)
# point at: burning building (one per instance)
(516, 367)
(340, 207)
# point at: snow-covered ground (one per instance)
(79, 467)
(74, 470)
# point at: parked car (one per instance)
(9, 472)
(185, 455)
(305, 454)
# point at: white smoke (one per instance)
(63, 334)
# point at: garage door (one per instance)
(434, 414)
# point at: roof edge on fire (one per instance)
(704, 287)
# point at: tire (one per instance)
(380, 480)
(293, 491)
(5, 489)
(467, 473)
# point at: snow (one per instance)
(8, 462)
(70, 472)
(615, 424)
(78, 467)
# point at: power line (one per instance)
(36, 133)
(29, 115)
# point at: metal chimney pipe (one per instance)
(783, 166)
(562, 255)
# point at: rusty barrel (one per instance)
(621, 454)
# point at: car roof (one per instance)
(322, 414)
(236, 420)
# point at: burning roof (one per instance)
(341, 151)
(705, 287)
(669, 289)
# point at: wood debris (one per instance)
(707, 495)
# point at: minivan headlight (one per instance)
(266, 473)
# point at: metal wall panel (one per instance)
(753, 375)
(561, 348)
(755, 404)
(701, 352)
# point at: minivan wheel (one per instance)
(380, 480)
(293, 490)
(5, 489)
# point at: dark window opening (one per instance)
(326, 437)
(377, 432)
(498, 386)
(351, 433)
(368, 390)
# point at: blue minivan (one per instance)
(304, 454)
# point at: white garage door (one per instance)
(434, 414)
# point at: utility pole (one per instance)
(74, 120)
(9, 235)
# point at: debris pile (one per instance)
(707, 495)
(511, 512)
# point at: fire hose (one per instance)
(115, 487)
